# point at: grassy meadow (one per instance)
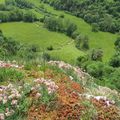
(33, 33)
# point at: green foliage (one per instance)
(20, 3)
(24, 105)
(117, 44)
(85, 44)
(115, 60)
(10, 74)
(82, 61)
(10, 2)
(10, 49)
(11, 12)
(46, 97)
(105, 74)
(46, 56)
(96, 54)
(82, 42)
(8, 45)
(115, 78)
(29, 17)
(59, 24)
(95, 27)
(21, 112)
(95, 69)
(24, 3)
(78, 41)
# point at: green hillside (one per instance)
(33, 33)
(59, 59)
(102, 40)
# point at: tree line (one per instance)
(20, 3)
(101, 14)
(13, 10)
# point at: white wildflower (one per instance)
(38, 95)
(14, 102)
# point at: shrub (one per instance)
(81, 60)
(29, 17)
(95, 69)
(50, 48)
(60, 25)
(97, 54)
(117, 43)
(115, 60)
(85, 44)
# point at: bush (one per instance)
(96, 70)
(85, 44)
(60, 25)
(81, 61)
(117, 43)
(96, 54)
(115, 78)
(115, 60)
(50, 48)
(29, 17)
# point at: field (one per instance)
(33, 33)
(36, 33)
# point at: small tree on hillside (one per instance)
(85, 44)
(96, 55)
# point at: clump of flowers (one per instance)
(104, 99)
(51, 86)
(9, 65)
(9, 97)
(79, 72)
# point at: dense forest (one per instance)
(101, 14)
